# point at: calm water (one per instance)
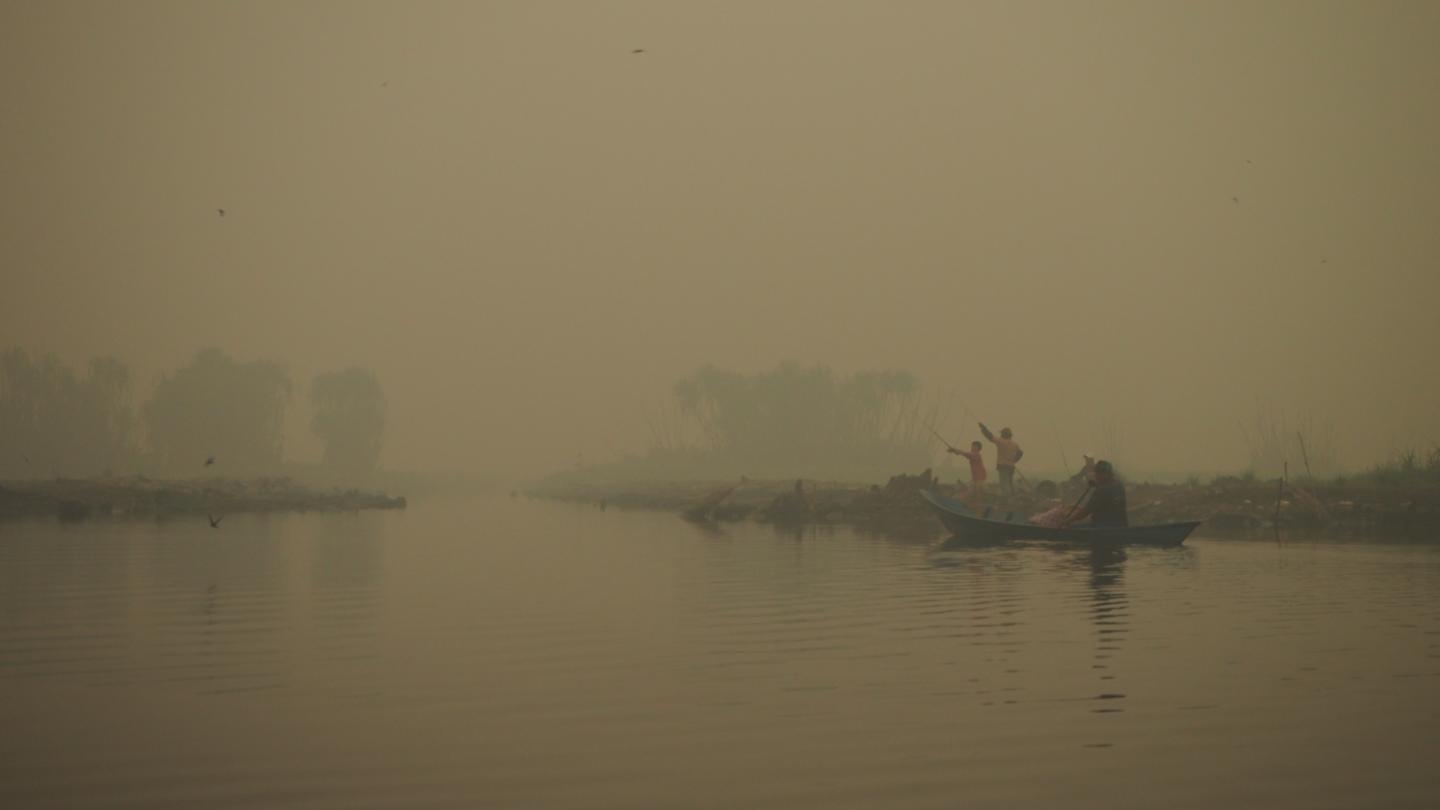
(499, 653)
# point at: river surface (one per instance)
(497, 653)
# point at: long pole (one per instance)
(1063, 457)
(941, 438)
(1280, 493)
(967, 409)
(1305, 454)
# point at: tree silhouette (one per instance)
(797, 419)
(53, 421)
(218, 407)
(349, 419)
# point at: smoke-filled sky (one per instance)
(1159, 215)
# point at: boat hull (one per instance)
(965, 525)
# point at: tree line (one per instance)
(795, 420)
(58, 420)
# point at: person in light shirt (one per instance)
(1007, 455)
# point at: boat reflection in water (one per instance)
(1101, 603)
(1108, 607)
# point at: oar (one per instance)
(1089, 485)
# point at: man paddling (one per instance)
(1106, 506)
(1007, 455)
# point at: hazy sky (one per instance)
(529, 231)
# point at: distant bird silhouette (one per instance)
(221, 212)
(638, 50)
(1235, 200)
(210, 461)
(1248, 161)
(214, 521)
(1324, 261)
(385, 84)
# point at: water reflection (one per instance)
(246, 554)
(176, 602)
(1109, 611)
(346, 553)
(489, 654)
(974, 544)
(346, 566)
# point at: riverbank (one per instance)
(1227, 505)
(138, 496)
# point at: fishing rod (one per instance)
(941, 438)
(1063, 457)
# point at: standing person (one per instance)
(977, 470)
(1106, 506)
(1007, 455)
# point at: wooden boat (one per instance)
(965, 524)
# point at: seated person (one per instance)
(1106, 506)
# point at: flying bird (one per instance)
(1235, 200)
(214, 521)
(638, 50)
(210, 461)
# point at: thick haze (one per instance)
(529, 232)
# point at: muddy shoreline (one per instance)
(83, 499)
(1227, 506)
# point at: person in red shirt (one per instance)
(977, 470)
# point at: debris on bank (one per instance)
(138, 496)
(1227, 505)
